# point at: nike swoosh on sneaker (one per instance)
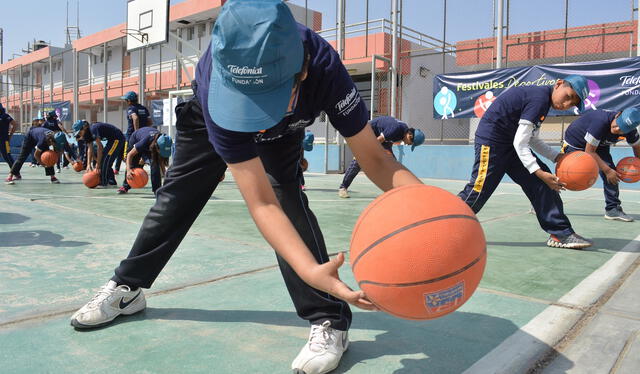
(124, 304)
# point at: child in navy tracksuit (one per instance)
(105, 156)
(150, 144)
(40, 139)
(7, 128)
(594, 132)
(507, 133)
(137, 117)
(388, 130)
(261, 72)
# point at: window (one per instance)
(46, 69)
(190, 31)
(108, 55)
(202, 30)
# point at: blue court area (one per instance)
(220, 305)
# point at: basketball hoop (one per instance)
(141, 37)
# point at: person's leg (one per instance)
(613, 205)
(122, 155)
(156, 176)
(611, 191)
(350, 174)
(547, 205)
(190, 183)
(110, 151)
(25, 151)
(5, 150)
(488, 169)
(281, 159)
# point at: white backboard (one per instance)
(147, 23)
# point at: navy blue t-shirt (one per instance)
(5, 120)
(37, 136)
(105, 131)
(594, 127)
(143, 117)
(328, 87)
(51, 125)
(142, 138)
(499, 123)
(392, 129)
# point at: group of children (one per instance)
(143, 143)
(263, 79)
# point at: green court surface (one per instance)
(220, 305)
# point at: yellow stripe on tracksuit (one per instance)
(564, 147)
(7, 146)
(482, 169)
(113, 147)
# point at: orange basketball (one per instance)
(629, 167)
(49, 158)
(418, 252)
(578, 170)
(91, 178)
(78, 166)
(140, 178)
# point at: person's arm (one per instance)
(612, 175)
(521, 144)
(384, 171)
(61, 127)
(12, 128)
(277, 229)
(89, 148)
(136, 121)
(37, 155)
(636, 150)
(130, 155)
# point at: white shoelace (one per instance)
(321, 337)
(104, 293)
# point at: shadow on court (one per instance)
(12, 218)
(36, 237)
(446, 345)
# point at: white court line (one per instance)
(519, 352)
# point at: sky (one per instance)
(26, 20)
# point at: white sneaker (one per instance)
(323, 351)
(107, 304)
(342, 192)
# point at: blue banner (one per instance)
(156, 112)
(613, 85)
(62, 108)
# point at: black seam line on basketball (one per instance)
(415, 224)
(433, 280)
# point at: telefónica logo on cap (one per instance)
(247, 75)
(244, 70)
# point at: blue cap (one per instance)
(60, 140)
(580, 85)
(131, 96)
(52, 114)
(77, 126)
(256, 51)
(307, 142)
(418, 139)
(628, 120)
(164, 145)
